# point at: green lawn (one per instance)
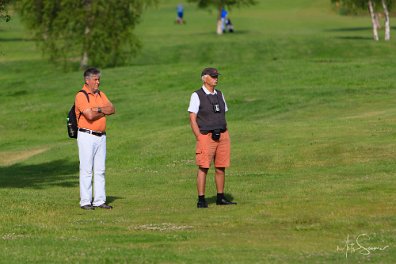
(311, 117)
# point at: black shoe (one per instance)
(87, 207)
(202, 204)
(104, 206)
(224, 201)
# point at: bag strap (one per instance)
(86, 95)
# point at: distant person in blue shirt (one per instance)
(180, 12)
(224, 14)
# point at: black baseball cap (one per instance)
(210, 71)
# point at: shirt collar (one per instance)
(207, 91)
(88, 90)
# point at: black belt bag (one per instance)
(216, 134)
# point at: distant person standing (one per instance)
(224, 14)
(180, 14)
(92, 111)
(207, 119)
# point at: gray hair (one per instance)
(203, 77)
(91, 71)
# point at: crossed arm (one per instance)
(96, 113)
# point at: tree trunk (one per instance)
(371, 9)
(85, 58)
(387, 23)
(377, 20)
(219, 29)
(86, 42)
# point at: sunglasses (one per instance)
(214, 76)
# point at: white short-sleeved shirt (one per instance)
(194, 101)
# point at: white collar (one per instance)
(207, 91)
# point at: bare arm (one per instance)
(94, 113)
(194, 125)
(108, 109)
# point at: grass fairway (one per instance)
(312, 120)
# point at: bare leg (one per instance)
(220, 179)
(201, 180)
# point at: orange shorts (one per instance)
(208, 149)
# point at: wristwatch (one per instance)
(99, 110)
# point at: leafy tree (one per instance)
(373, 7)
(3, 11)
(95, 32)
(220, 4)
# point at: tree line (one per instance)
(90, 32)
(101, 32)
(375, 8)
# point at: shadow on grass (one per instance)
(55, 173)
(110, 199)
(238, 32)
(349, 29)
(15, 39)
(352, 29)
(213, 33)
(212, 200)
(355, 38)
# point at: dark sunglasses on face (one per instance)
(214, 76)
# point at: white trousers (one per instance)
(92, 154)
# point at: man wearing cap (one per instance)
(92, 106)
(207, 118)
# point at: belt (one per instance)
(92, 132)
(205, 132)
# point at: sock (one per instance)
(201, 197)
(220, 196)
